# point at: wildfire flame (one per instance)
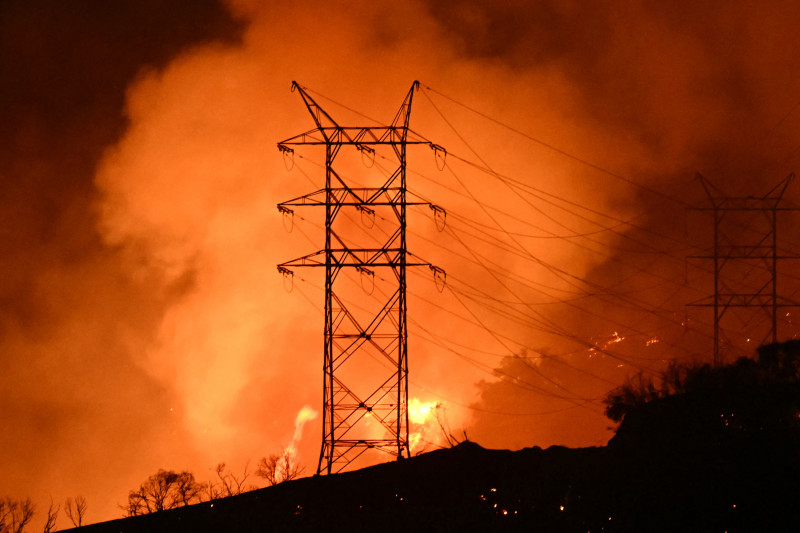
(615, 338)
(418, 411)
(421, 414)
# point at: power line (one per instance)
(550, 146)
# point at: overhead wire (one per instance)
(553, 148)
(562, 274)
(529, 137)
(524, 249)
(513, 313)
(513, 380)
(511, 351)
(580, 402)
(549, 327)
(584, 343)
(581, 160)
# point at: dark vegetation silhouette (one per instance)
(75, 510)
(444, 427)
(167, 489)
(163, 490)
(716, 448)
(755, 398)
(15, 515)
(227, 483)
(277, 468)
(51, 518)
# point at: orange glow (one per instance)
(142, 314)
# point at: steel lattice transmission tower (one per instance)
(745, 258)
(365, 385)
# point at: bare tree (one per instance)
(50, 519)
(4, 515)
(228, 483)
(444, 426)
(76, 510)
(163, 490)
(277, 468)
(15, 515)
(187, 489)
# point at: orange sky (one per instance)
(144, 325)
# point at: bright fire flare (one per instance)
(418, 411)
(421, 414)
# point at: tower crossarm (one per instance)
(373, 196)
(722, 202)
(746, 300)
(352, 136)
(355, 257)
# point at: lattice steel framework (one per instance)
(759, 253)
(358, 417)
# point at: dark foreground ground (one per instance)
(748, 487)
(709, 449)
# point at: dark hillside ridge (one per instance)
(457, 489)
(469, 488)
(713, 449)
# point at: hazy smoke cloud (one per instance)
(667, 91)
(76, 407)
(143, 321)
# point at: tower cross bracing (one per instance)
(365, 353)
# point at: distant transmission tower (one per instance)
(745, 258)
(365, 385)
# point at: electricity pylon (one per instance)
(365, 361)
(745, 262)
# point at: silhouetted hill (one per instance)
(458, 489)
(714, 449)
(718, 446)
(468, 488)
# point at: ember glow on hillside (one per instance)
(144, 325)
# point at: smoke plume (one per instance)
(143, 323)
